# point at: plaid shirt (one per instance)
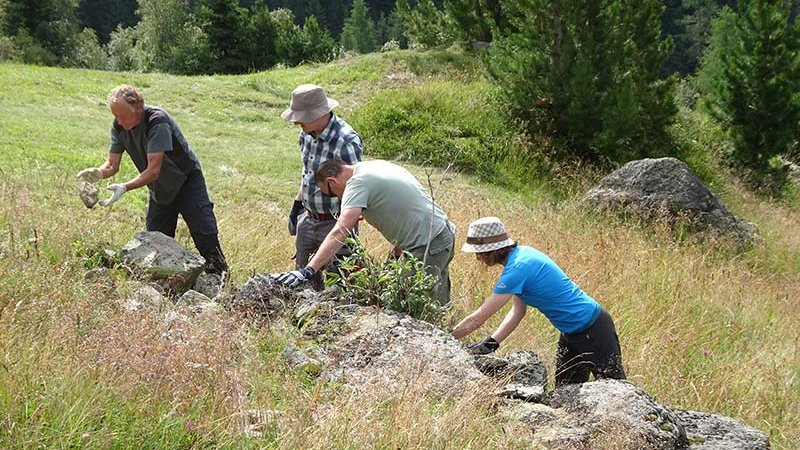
(337, 140)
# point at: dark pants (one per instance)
(310, 234)
(595, 350)
(194, 205)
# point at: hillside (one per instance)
(701, 328)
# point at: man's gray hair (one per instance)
(329, 169)
(125, 93)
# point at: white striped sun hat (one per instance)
(486, 234)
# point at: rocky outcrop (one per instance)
(712, 432)
(363, 347)
(666, 189)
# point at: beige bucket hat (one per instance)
(309, 103)
(486, 234)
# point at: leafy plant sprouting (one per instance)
(398, 284)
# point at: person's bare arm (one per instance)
(512, 320)
(473, 321)
(150, 174)
(336, 238)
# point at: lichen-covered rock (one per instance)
(622, 410)
(260, 298)
(522, 368)
(146, 297)
(712, 432)
(362, 347)
(665, 188)
(197, 304)
(159, 257)
(209, 284)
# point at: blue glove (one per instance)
(295, 277)
(296, 208)
(484, 347)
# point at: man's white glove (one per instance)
(294, 277)
(92, 175)
(118, 190)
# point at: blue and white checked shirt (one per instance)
(337, 140)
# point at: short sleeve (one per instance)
(159, 138)
(511, 282)
(115, 146)
(356, 195)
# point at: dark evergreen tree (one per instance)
(320, 46)
(425, 24)
(225, 24)
(103, 16)
(170, 40)
(289, 41)
(475, 19)
(751, 74)
(261, 39)
(587, 73)
(358, 33)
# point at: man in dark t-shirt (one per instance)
(167, 166)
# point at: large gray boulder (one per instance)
(712, 432)
(158, 257)
(619, 410)
(665, 188)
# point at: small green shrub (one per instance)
(437, 123)
(397, 284)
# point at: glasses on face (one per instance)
(330, 191)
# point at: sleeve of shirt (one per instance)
(116, 145)
(159, 138)
(350, 150)
(510, 282)
(356, 195)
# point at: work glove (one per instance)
(484, 347)
(118, 190)
(296, 208)
(92, 175)
(295, 277)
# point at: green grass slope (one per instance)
(701, 328)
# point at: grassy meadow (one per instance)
(701, 327)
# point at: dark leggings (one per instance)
(595, 350)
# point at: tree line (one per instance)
(595, 77)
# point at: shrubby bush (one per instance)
(121, 50)
(88, 53)
(439, 123)
(397, 284)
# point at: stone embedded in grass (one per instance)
(89, 193)
(158, 256)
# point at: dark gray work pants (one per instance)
(194, 205)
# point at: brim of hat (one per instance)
(481, 248)
(308, 116)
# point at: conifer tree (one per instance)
(358, 33)
(587, 72)
(225, 24)
(751, 73)
(320, 46)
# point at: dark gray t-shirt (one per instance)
(157, 132)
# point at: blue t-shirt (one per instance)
(539, 282)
